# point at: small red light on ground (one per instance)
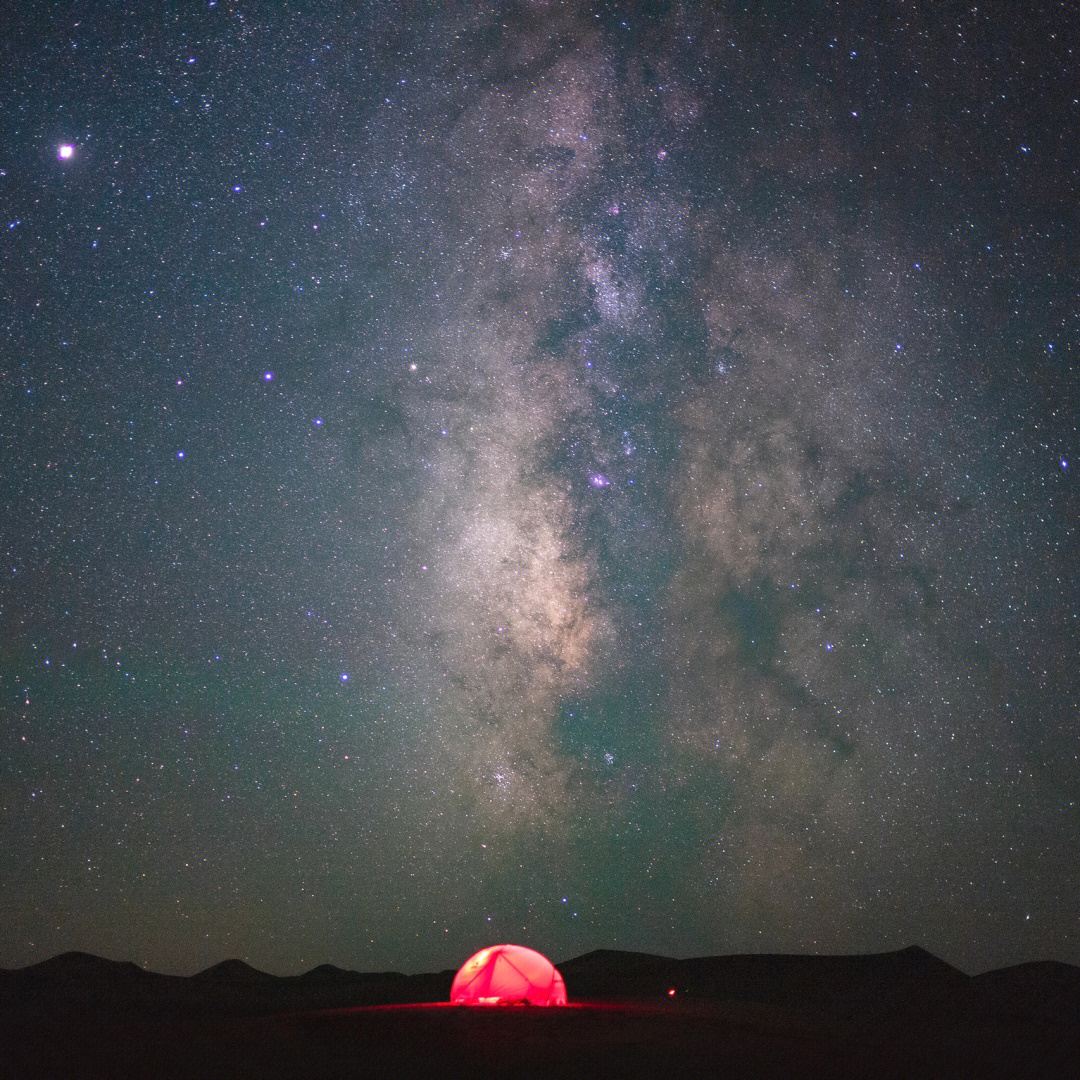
(671, 992)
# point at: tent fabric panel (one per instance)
(472, 969)
(507, 980)
(506, 975)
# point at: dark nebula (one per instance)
(583, 476)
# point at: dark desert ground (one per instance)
(902, 1014)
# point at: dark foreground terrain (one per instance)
(904, 1014)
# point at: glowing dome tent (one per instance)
(508, 975)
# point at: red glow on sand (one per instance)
(631, 1007)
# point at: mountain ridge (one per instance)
(910, 982)
(233, 967)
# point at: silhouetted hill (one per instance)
(1046, 990)
(234, 971)
(902, 1014)
(83, 965)
(327, 973)
(232, 987)
(81, 972)
(909, 981)
(911, 984)
(899, 1014)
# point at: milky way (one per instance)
(581, 477)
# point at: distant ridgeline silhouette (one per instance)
(907, 983)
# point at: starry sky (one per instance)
(587, 476)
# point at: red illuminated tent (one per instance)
(508, 975)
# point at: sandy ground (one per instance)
(593, 1040)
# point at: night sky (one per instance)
(586, 477)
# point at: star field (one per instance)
(590, 476)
